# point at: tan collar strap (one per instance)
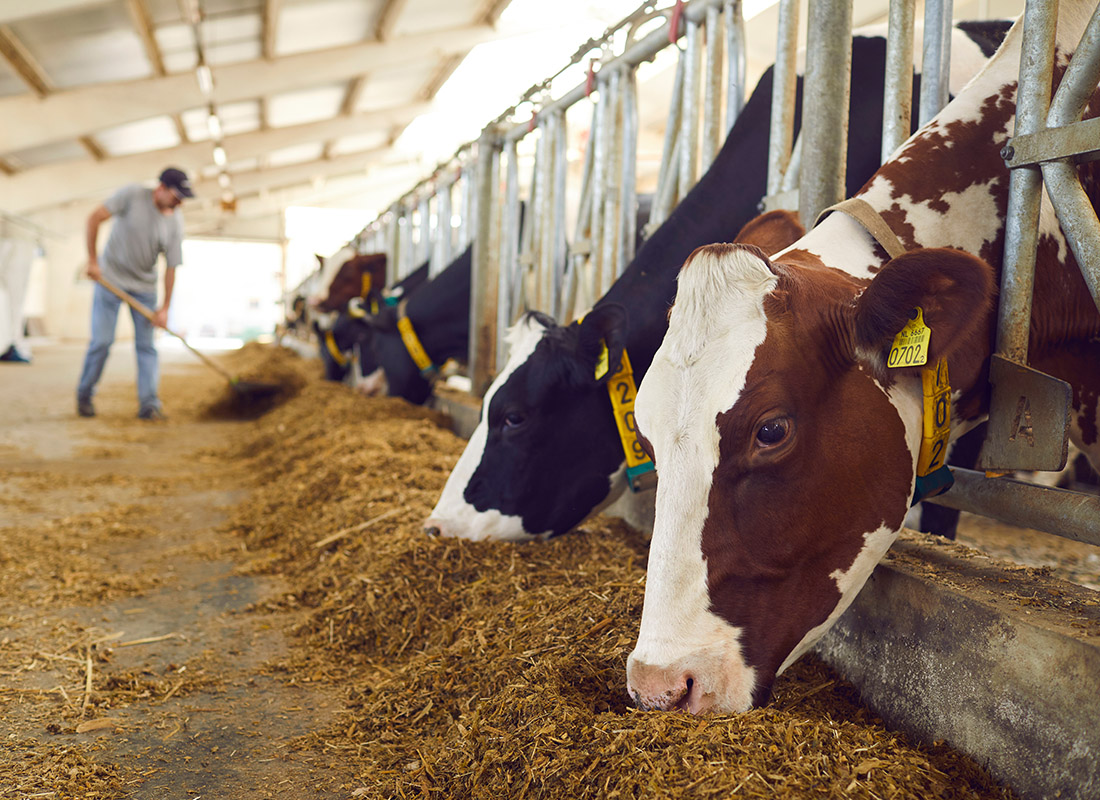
(862, 212)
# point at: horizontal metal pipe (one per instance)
(1072, 515)
(644, 50)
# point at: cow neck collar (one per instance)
(933, 476)
(334, 351)
(412, 343)
(862, 212)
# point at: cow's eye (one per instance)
(773, 432)
(513, 419)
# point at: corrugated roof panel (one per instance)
(235, 118)
(46, 154)
(308, 105)
(231, 38)
(9, 83)
(177, 46)
(155, 133)
(397, 86)
(297, 154)
(359, 143)
(315, 25)
(239, 117)
(85, 46)
(421, 16)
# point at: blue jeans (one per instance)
(104, 318)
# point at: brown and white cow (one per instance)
(356, 278)
(785, 447)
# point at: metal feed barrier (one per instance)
(534, 265)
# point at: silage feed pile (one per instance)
(258, 365)
(489, 670)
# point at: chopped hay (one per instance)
(489, 669)
(268, 377)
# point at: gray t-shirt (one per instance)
(139, 235)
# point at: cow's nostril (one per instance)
(684, 703)
(432, 530)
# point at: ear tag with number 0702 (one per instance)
(910, 348)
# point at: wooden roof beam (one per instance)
(143, 23)
(387, 19)
(55, 184)
(269, 16)
(66, 115)
(23, 63)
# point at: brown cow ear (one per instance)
(772, 232)
(953, 289)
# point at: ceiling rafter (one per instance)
(493, 10)
(95, 150)
(24, 63)
(442, 74)
(79, 112)
(54, 184)
(269, 16)
(143, 24)
(142, 21)
(31, 73)
(387, 19)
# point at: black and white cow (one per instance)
(546, 453)
(352, 331)
(440, 315)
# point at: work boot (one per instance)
(84, 407)
(151, 414)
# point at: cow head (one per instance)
(542, 456)
(357, 276)
(785, 452)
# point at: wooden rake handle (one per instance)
(139, 307)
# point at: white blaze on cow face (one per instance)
(686, 655)
(452, 515)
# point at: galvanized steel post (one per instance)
(509, 247)
(1024, 187)
(611, 227)
(689, 113)
(424, 234)
(897, 103)
(557, 212)
(712, 88)
(784, 86)
(737, 58)
(936, 59)
(825, 98)
(628, 194)
(1074, 209)
(483, 277)
(668, 176)
(444, 236)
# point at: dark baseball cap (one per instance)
(176, 180)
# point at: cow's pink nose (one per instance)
(661, 688)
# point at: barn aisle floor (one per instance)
(118, 574)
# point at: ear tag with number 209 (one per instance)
(910, 348)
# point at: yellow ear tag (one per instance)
(601, 363)
(910, 348)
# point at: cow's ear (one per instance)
(953, 289)
(604, 324)
(772, 232)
